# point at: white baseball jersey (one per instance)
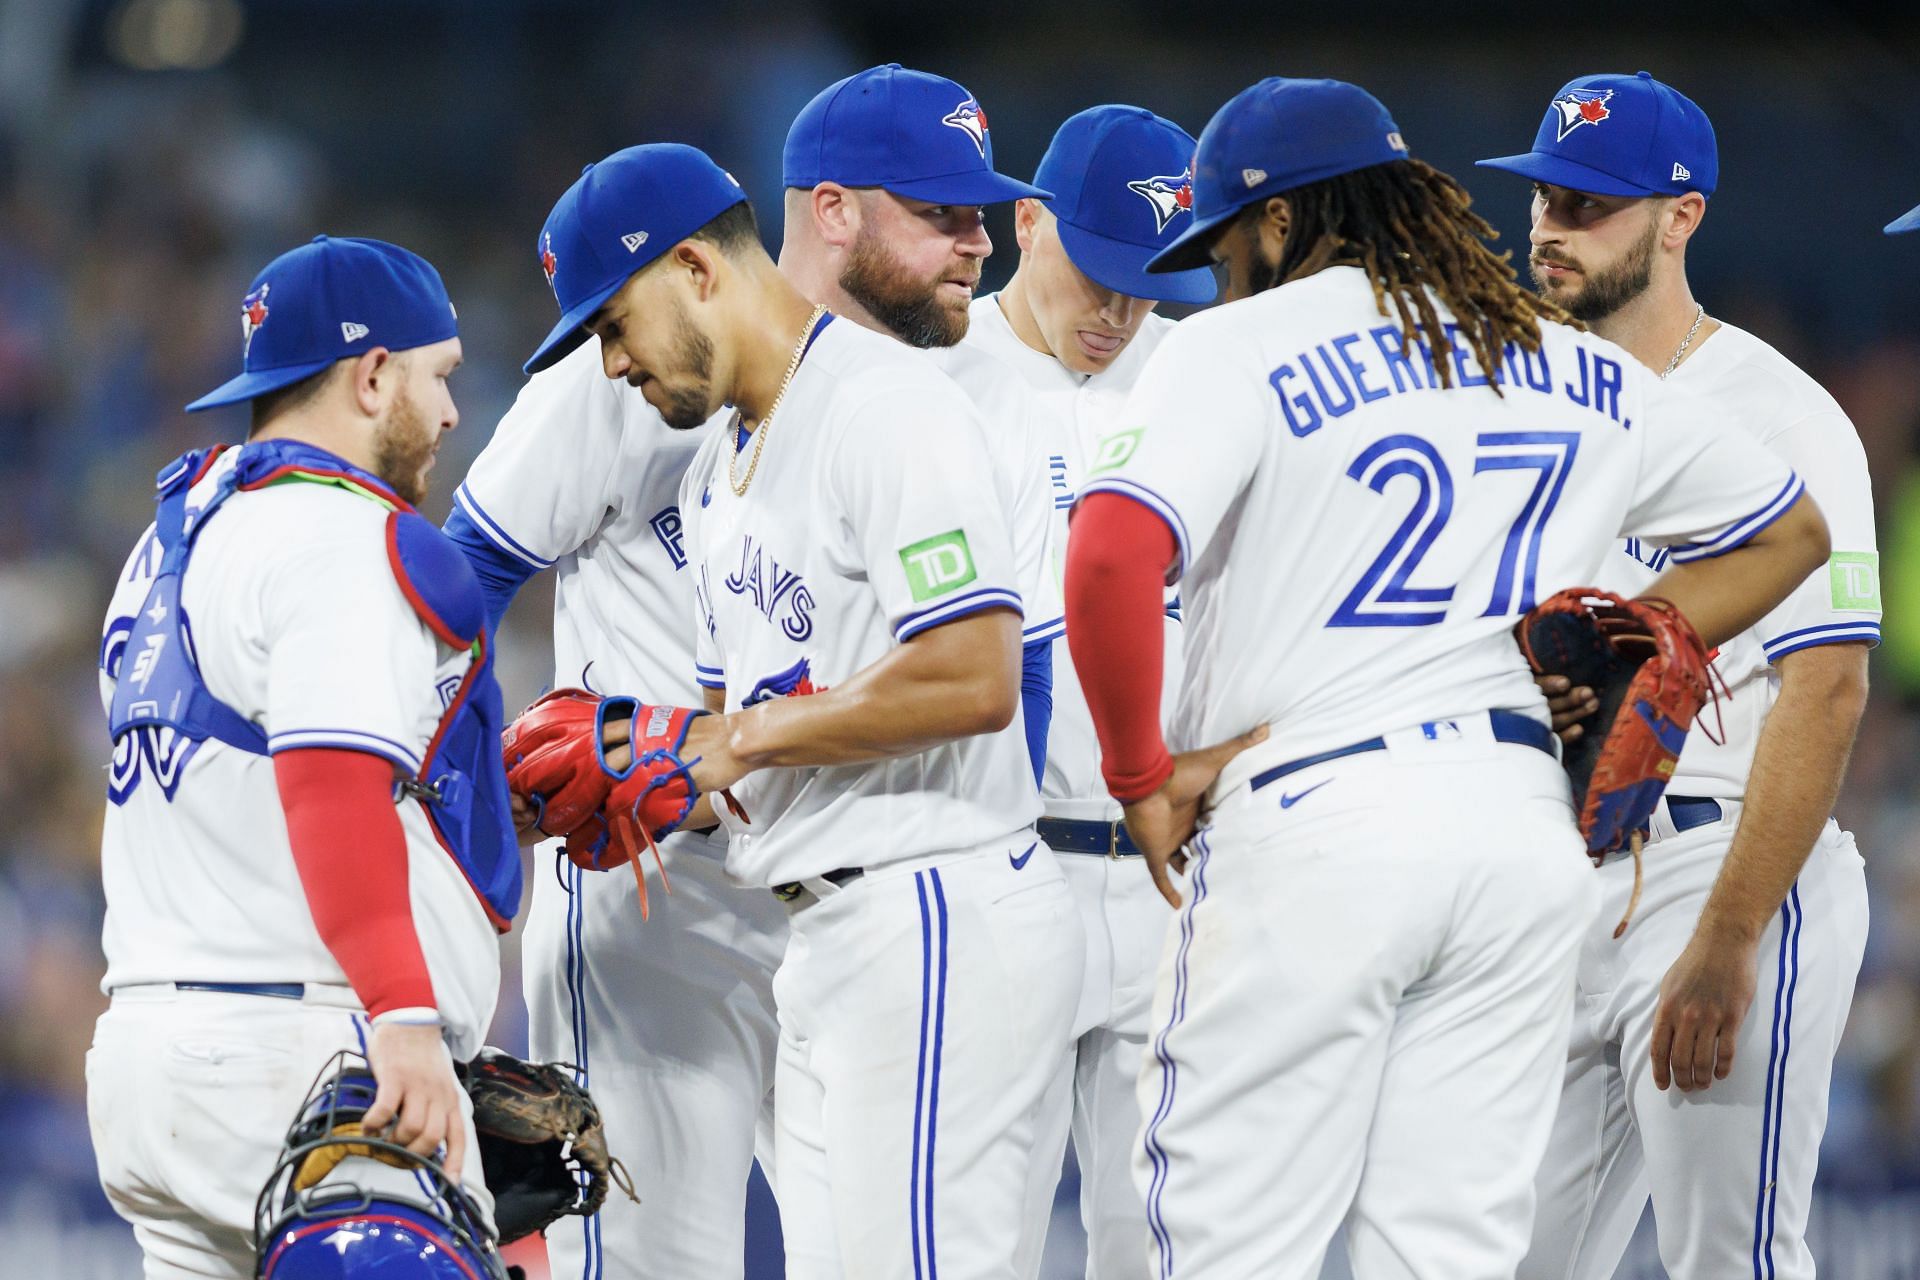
(583, 476)
(1762, 392)
(1021, 452)
(300, 626)
(1332, 508)
(1075, 410)
(875, 514)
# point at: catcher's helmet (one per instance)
(310, 1224)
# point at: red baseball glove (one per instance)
(557, 759)
(1649, 670)
(552, 754)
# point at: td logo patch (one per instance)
(1116, 449)
(1855, 579)
(937, 565)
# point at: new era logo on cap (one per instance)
(1581, 106)
(1681, 172)
(970, 120)
(1253, 177)
(634, 239)
(351, 332)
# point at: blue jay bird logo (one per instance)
(253, 314)
(969, 119)
(1576, 107)
(1170, 196)
(795, 682)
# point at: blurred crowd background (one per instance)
(154, 153)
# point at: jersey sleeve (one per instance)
(349, 663)
(913, 481)
(1188, 441)
(1035, 546)
(1703, 487)
(1841, 602)
(548, 478)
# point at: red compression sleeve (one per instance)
(1117, 561)
(352, 856)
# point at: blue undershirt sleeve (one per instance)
(501, 573)
(1036, 700)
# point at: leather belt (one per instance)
(1102, 839)
(277, 990)
(1508, 726)
(839, 877)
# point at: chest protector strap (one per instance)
(461, 784)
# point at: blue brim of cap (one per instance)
(249, 386)
(569, 333)
(1558, 171)
(1908, 221)
(1194, 248)
(1122, 267)
(974, 187)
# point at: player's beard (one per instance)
(911, 310)
(689, 398)
(403, 448)
(1604, 292)
(1262, 275)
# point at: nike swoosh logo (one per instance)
(1021, 861)
(1287, 802)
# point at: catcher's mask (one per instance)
(311, 1224)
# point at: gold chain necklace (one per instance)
(765, 424)
(1699, 314)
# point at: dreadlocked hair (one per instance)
(1412, 229)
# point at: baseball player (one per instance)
(1077, 323)
(583, 474)
(670, 1020)
(1678, 1075)
(858, 621)
(1359, 471)
(308, 846)
(875, 168)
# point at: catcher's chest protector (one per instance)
(461, 784)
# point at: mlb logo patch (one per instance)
(1576, 107)
(549, 263)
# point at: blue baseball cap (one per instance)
(1621, 136)
(1122, 183)
(1908, 221)
(327, 300)
(619, 215)
(1271, 138)
(917, 135)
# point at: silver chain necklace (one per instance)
(1699, 314)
